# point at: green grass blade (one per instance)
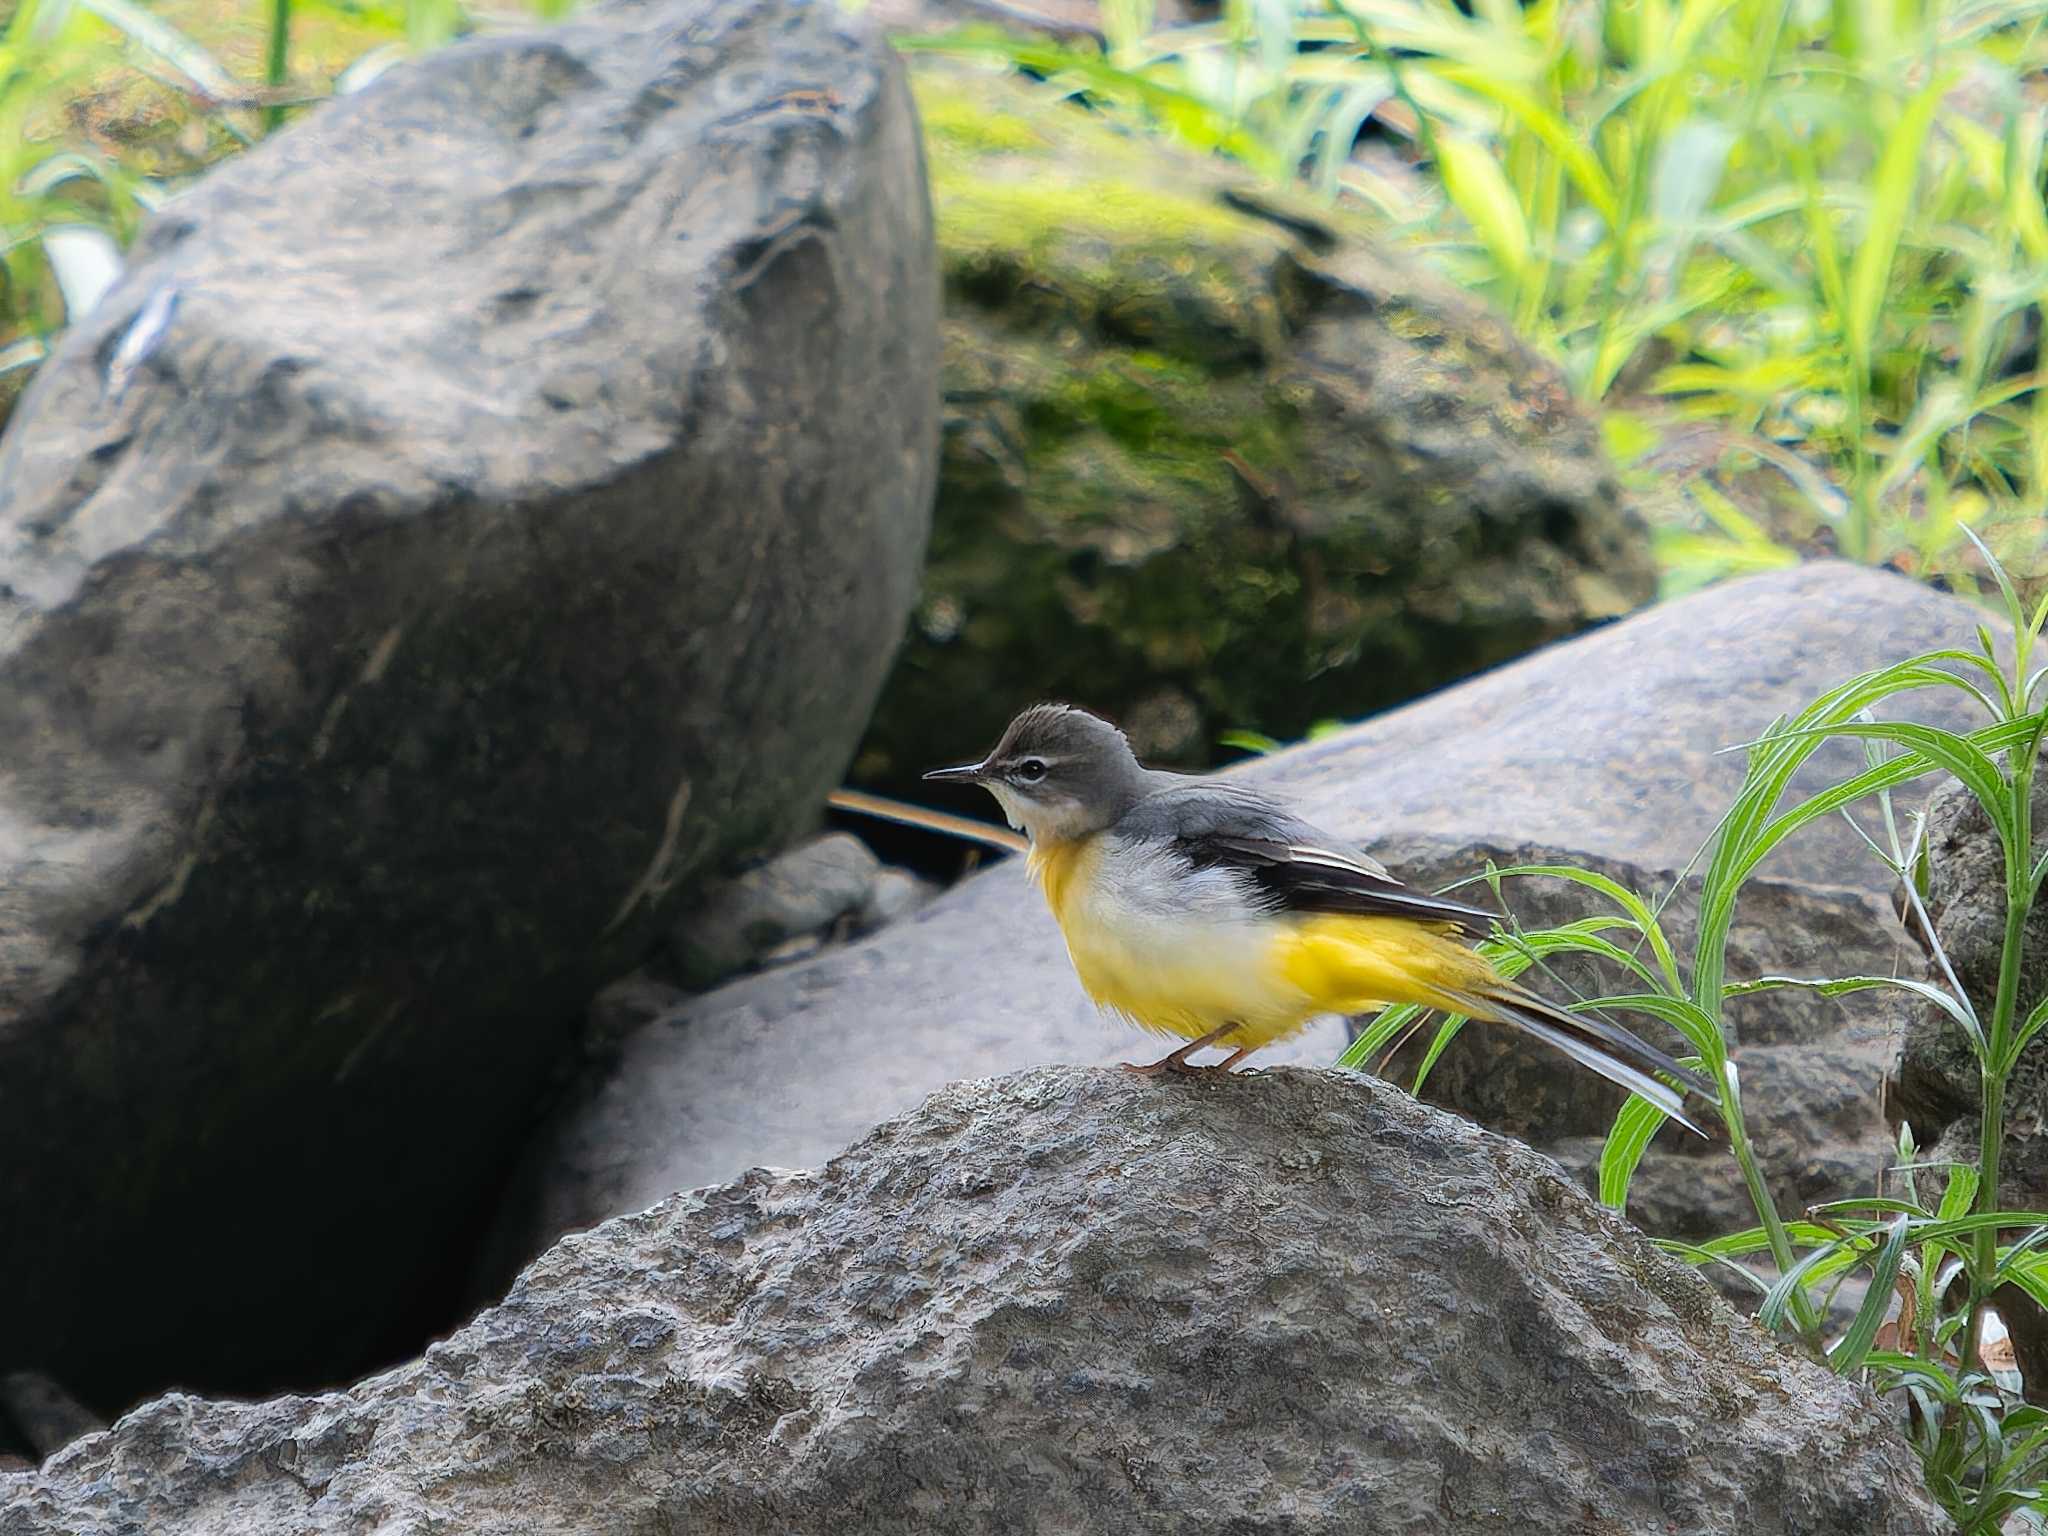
(1387, 1026)
(1957, 1008)
(1849, 1354)
(1476, 184)
(1634, 1126)
(1445, 1034)
(1682, 1014)
(1898, 174)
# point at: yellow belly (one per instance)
(1270, 975)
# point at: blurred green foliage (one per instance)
(1795, 248)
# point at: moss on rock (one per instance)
(1213, 459)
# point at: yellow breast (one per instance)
(1061, 869)
(1173, 971)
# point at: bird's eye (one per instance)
(1031, 770)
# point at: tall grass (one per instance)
(1938, 1269)
(1800, 248)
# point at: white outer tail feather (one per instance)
(1611, 1067)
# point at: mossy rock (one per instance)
(1216, 460)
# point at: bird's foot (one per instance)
(1179, 1065)
(1178, 1060)
(1176, 1064)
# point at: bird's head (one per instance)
(1058, 773)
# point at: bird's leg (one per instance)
(1178, 1061)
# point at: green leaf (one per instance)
(1637, 910)
(1481, 192)
(2036, 1020)
(1914, 1368)
(1693, 1253)
(1945, 749)
(1544, 943)
(1957, 1008)
(1249, 741)
(1445, 1034)
(1848, 1212)
(1898, 174)
(1558, 134)
(1387, 1025)
(1957, 1194)
(1634, 1126)
(1836, 1253)
(170, 45)
(2015, 610)
(1682, 1013)
(431, 23)
(1854, 1345)
(1735, 1245)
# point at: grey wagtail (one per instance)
(1200, 908)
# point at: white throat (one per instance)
(1043, 821)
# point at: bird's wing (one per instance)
(1295, 865)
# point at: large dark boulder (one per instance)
(1217, 459)
(1065, 1300)
(478, 511)
(1605, 751)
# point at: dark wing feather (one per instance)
(1305, 877)
(1298, 867)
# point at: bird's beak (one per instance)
(966, 773)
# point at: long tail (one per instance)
(1348, 964)
(1606, 1048)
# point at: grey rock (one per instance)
(1938, 1090)
(739, 923)
(1965, 897)
(1063, 1300)
(514, 517)
(895, 894)
(42, 1413)
(1217, 458)
(1605, 749)
(623, 1007)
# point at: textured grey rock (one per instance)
(1064, 1300)
(515, 516)
(1937, 1088)
(1603, 749)
(1965, 897)
(736, 924)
